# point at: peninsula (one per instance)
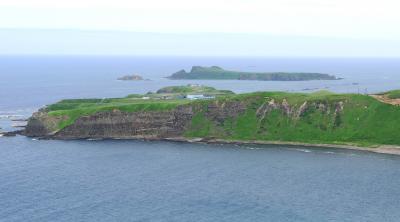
(260, 117)
(217, 73)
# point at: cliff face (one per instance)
(218, 112)
(178, 122)
(41, 124)
(264, 116)
(115, 124)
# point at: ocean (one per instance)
(120, 180)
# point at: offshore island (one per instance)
(217, 73)
(133, 77)
(198, 113)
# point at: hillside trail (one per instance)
(385, 99)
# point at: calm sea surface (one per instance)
(42, 180)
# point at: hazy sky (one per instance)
(363, 23)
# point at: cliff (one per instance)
(265, 116)
(217, 73)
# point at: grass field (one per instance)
(395, 94)
(75, 108)
(72, 109)
(364, 121)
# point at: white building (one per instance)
(194, 97)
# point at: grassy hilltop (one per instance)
(320, 117)
(395, 94)
(217, 73)
(329, 118)
(166, 98)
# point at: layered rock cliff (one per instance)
(114, 124)
(215, 115)
(321, 117)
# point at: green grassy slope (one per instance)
(364, 121)
(192, 89)
(395, 94)
(75, 108)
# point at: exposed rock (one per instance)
(302, 109)
(166, 124)
(265, 108)
(221, 111)
(117, 124)
(42, 124)
(323, 108)
(11, 133)
(286, 107)
(293, 112)
(131, 78)
(339, 107)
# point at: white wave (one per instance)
(10, 116)
(252, 148)
(304, 150)
(94, 139)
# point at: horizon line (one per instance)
(194, 33)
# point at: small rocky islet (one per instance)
(133, 77)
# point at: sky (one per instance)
(318, 27)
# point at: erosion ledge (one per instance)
(317, 119)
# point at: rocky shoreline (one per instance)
(12, 133)
(381, 149)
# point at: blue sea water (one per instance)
(163, 181)
(34, 81)
(47, 180)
